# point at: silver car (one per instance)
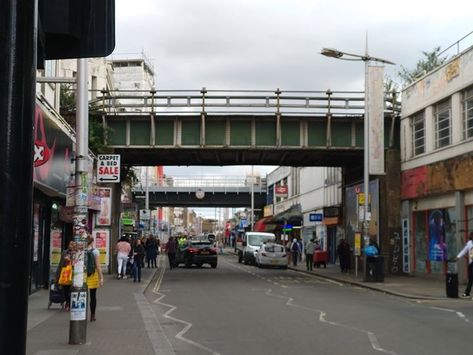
(271, 254)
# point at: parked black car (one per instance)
(197, 252)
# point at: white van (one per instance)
(250, 244)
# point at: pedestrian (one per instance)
(151, 251)
(138, 256)
(295, 251)
(94, 274)
(66, 259)
(301, 248)
(220, 246)
(123, 249)
(171, 249)
(468, 249)
(343, 251)
(309, 254)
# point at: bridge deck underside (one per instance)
(233, 156)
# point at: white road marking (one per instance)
(172, 308)
(459, 314)
(371, 336)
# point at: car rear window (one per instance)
(274, 248)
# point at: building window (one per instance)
(418, 134)
(468, 113)
(50, 68)
(442, 115)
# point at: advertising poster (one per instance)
(35, 231)
(53, 147)
(105, 214)
(78, 305)
(437, 245)
(56, 244)
(102, 240)
(78, 269)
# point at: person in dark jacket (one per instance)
(151, 251)
(343, 251)
(138, 255)
(171, 249)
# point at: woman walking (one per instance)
(94, 274)
(123, 250)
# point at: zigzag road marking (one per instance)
(187, 325)
(371, 336)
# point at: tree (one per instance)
(430, 61)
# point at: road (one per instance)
(240, 309)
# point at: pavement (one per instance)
(123, 327)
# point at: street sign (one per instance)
(108, 168)
(316, 217)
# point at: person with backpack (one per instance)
(468, 250)
(295, 250)
(94, 274)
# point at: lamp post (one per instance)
(366, 58)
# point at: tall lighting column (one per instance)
(334, 53)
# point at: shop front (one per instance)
(437, 214)
(52, 172)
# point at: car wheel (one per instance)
(213, 265)
(284, 267)
(188, 264)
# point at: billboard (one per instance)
(53, 147)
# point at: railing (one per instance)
(204, 182)
(260, 102)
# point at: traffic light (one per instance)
(75, 29)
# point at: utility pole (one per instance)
(17, 103)
(78, 319)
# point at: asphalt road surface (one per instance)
(244, 310)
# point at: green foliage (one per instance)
(98, 135)
(67, 98)
(431, 61)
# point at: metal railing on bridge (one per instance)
(207, 183)
(169, 102)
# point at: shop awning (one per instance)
(265, 224)
(292, 215)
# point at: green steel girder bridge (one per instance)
(206, 191)
(240, 127)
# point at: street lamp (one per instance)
(366, 58)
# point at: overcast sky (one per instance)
(269, 44)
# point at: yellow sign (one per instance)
(361, 198)
(357, 243)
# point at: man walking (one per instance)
(171, 249)
(309, 254)
(468, 249)
(295, 250)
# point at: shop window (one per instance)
(443, 114)
(469, 216)
(418, 134)
(468, 113)
(421, 241)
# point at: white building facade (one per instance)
(437, 165)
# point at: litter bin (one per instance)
(374, 269)
(451, 282)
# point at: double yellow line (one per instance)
(162, 268)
